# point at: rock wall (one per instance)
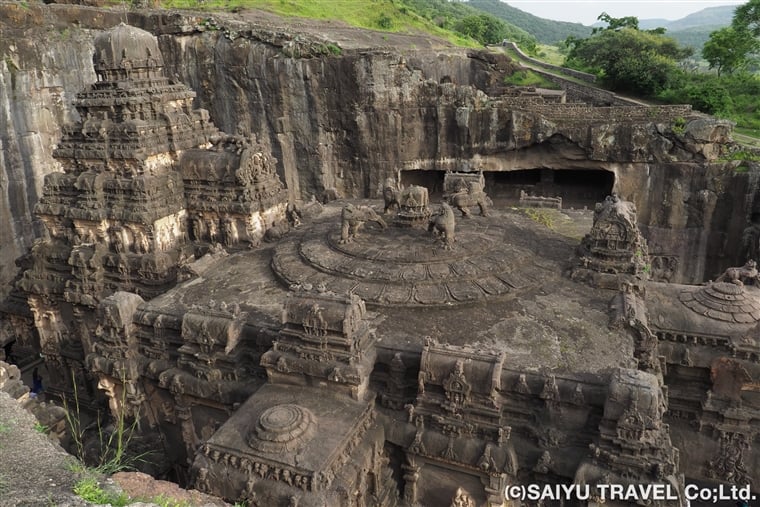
(39, 74)
(341, 120)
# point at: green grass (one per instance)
(114, 446)
(385, 15)
(541, 216)
(747, 136)
(679, 125)
(748, 131)
(549, 54)
(89, 489)
(527, 77)
(165, 501)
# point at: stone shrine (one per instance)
(433, 363)
(310, 436)
(614, 250)
(148, 183)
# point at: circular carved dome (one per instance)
(282, 428)
(724, 301)
(403, 266)
(125, 46)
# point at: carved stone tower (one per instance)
(310, 435)
(614, 251)
(147, 184)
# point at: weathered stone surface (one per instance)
(491, 367)
(385, 107)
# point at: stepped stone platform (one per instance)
(529, 310)
(402, 266)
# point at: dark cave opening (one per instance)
(432, 180)
(577, 187)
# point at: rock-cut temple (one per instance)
(341, 354)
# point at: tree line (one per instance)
(649, 64)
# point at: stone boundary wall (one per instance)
(584, 76)
(575, 91)
(587, 93)
(579, 111)
(613, 114)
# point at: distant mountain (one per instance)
(710, 17)
(645, 24)
(694, 37)
(545, 31)
(694, 29)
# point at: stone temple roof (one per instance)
(723, 301)
(405, 267)
(124, 47)
(715, 309)
(540, 318)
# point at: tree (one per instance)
(729, 49)
(616, 23)
(628, 59)
(748, 16)
(484, 28)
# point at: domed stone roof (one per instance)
(403, 266)
(723, 301)
(125, 46)
(283, 428)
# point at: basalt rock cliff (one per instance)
(343, 109)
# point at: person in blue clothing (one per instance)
(36, 382)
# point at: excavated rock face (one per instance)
(147, 182)
(344, 123)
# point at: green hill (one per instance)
(694, 37)
(440, 18)
(712, 16)
(693, 30)
(545, 31)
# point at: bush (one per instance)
(385, 22)
(484, 28)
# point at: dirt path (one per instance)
(33, 471)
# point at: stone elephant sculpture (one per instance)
(353, 218)
(472, 195)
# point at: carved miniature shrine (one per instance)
(418, 360)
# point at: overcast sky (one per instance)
(586, 11)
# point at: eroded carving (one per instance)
(353, 219)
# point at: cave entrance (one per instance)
(432, 180)
(577, 187)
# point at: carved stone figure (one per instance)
(443, 225)
(414, 208)
(486, 462)
(229, 232)
(353, 219)
(391, 194)
(740, 275)
(294, 215)
(728, 464)
(750, 248)
(544, 462)
(468, 194)
(462, 499)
